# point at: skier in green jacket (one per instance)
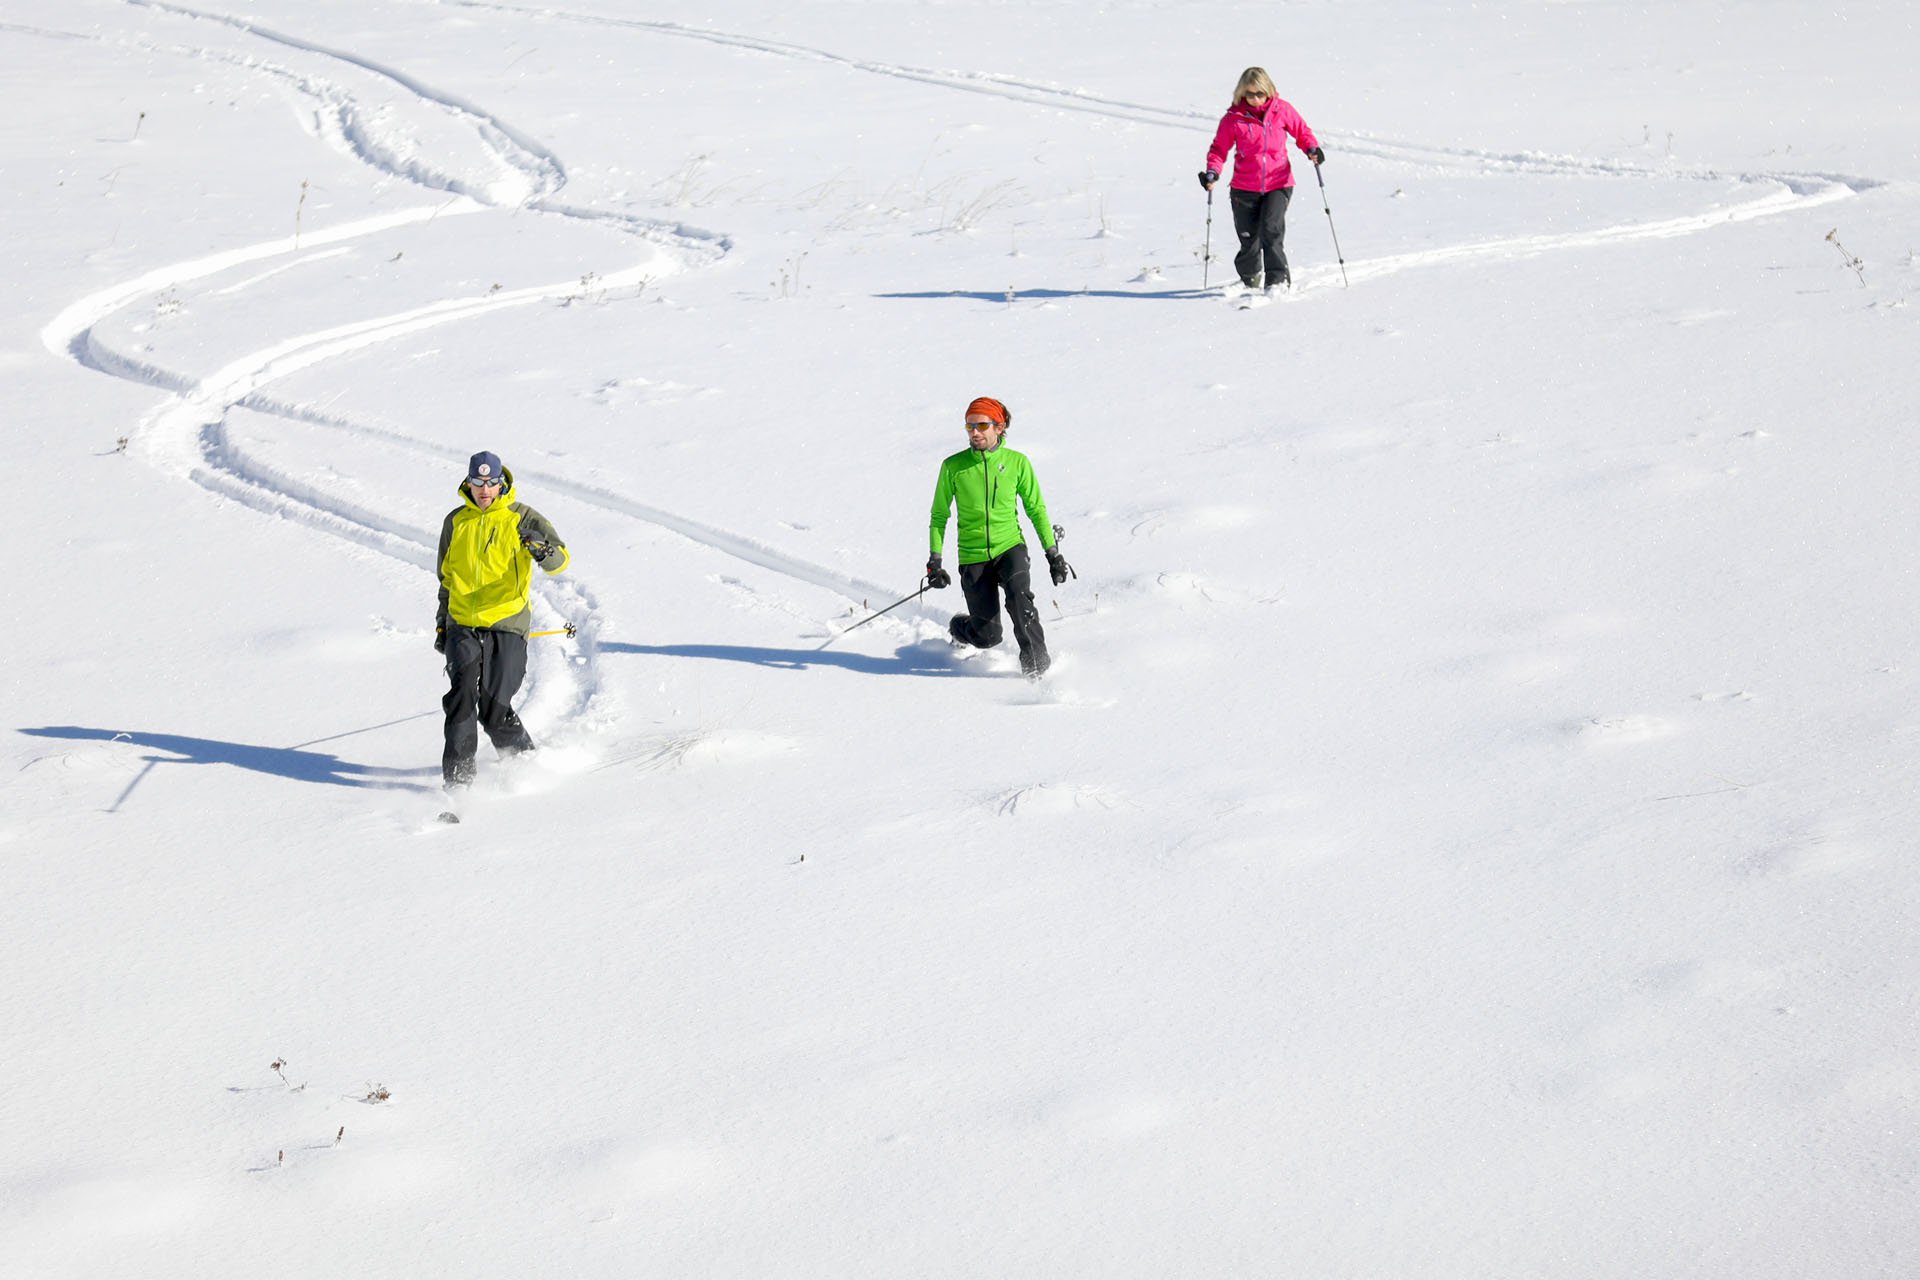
(982, 481)
(488, 547)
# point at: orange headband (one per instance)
(992, 408)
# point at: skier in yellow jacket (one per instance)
(488, 547)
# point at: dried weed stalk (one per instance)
(1854, 264)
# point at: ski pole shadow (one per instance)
(1010, 296)
(292, 763)
(921, 659)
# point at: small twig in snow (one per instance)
(1854, 264)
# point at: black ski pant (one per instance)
(1009, 573)
(1260, 220)
(484, 671)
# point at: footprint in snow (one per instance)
(1049, 798)
(1114, 1114)
(700, 747)
(619, 393)
(1620, 730)
(1815, 857)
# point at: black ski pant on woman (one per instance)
(1010, 573)
(1260, 220)
(485, 668)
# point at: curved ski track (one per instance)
(1016, 89)
(188, 434)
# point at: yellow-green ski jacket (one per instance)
(486, 572)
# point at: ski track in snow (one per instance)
(1778, 193)
(535, 170)
(532, 173)
(1016, 89)
(47, 33)
(188, 434)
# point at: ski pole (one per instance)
(924, 584)
(569, 631)
(1336, 234)
(1206, 258)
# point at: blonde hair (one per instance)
(1252, 80)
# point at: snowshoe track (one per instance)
(508, 169)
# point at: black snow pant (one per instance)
(484, 669)
(1260, 220)
(1009, 572)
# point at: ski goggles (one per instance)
(484, 482)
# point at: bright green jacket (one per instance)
(983, 486)
(486, 573)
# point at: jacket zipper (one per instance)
(1265, 130)
(986, 489)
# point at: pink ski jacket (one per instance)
(1258, 139)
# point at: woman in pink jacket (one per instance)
(1255, 129)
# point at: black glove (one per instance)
(540, 551)
(1208, 177)
(936, 576)
(1318, 155)
(1057, 566)
(439, 639)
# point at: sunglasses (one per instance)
(478, 482)
(981, 426)
(1256, 96)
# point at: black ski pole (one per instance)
(1330, 227)
(1206, 258)
(924, 584)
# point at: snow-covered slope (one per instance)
(1465, 832)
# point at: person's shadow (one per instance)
(923, 659)
(1011, 296)
(292, 763)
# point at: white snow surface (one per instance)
(1469, 830)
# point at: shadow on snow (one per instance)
(914, 660)
(297, 764)
(1010, 296)
(281, 762)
